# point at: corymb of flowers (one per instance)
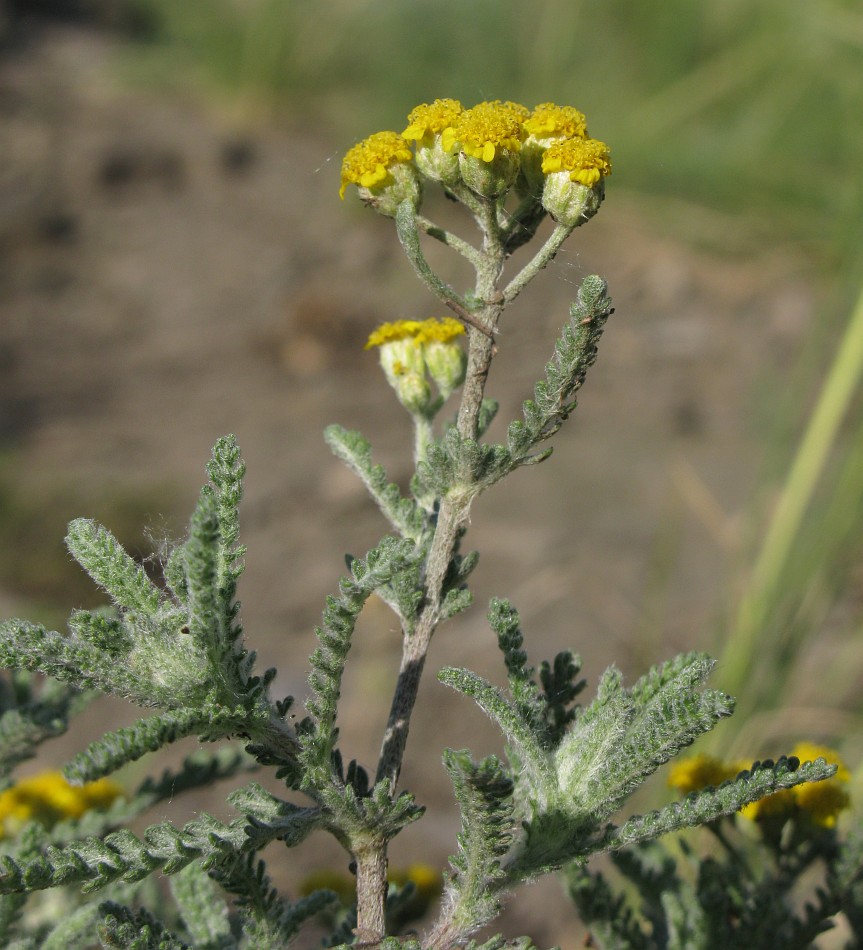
(545, 156)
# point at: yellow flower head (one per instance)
(47, 797)
(697, 772)
(428, 120)
(369, 163)
(586, 160)
(443, 330)
(548, 121)
(487, 129)
(822, 801)
(810, 751)
(424, 877)
(778, 805)
(412, 348)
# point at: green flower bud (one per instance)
(447, 364)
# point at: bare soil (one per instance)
(167, 276)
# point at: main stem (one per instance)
(452, 515)
(455, 506)
(371, 893)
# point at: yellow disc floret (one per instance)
(485, 130)
(431, 119)
(586, 160)
(548, 121)
(368, 164)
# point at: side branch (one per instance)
(544, 257)
(451, 240)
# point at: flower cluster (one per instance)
(545, 153)
(49, 798)
(819, 802)
(411, 350)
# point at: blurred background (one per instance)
(175, 264)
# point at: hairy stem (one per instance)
(451, 240)
(543, 258)
(371, 893)
(452, 514)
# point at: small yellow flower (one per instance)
(430, 119)
(548, 121)
(586, 160)
(778, 805)
(819, 802)
(47, 797)
(810, 751)
(382, 168)
(546, 125)
(426, 879)
(822, 801)
(486, 130)
(574, 170)
(487, 139)
(697, 772)
(368, 163)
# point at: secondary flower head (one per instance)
(817, 802)
(410, 348)
(574, 171)
(426, 123)
(48, 798)
(488, 138)
(547, 124)
(550, 123)
(822, 801)
(381, 167)
(586, 161)
(429, 120)
(698, 771)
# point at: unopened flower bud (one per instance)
(414, 393)
(445, 359)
